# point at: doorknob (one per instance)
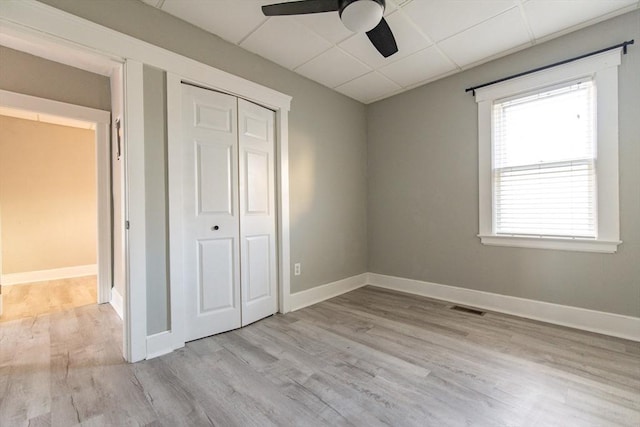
(215, 227)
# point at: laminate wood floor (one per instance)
(367, 358)
(33, 299)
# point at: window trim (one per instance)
(603, 70)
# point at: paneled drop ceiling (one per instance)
(435, 38)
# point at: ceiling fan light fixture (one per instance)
(361, 16)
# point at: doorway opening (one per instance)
(55, 207)
(48, 224)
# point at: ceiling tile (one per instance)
(328, 25)
(391, 6)
(154, 3)
(332, 68)
(443, 18)
(567, 13)
(407, 36)
(368, 87)
(419, 67)
(498, 34)
(285, 41)
(232, 20)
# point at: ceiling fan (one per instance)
(357, 15)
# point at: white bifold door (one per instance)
(229, 218)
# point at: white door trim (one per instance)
(102, 120)
(30, 20)
(176, 202)
(135, 297)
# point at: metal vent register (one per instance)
(468, 310)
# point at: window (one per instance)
(544, 163)
(549, 158)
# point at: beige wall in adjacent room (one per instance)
(423, 188)
(47, 196)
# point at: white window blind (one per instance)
(544, 154)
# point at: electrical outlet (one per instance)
(296, 269)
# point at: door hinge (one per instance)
(126, 225)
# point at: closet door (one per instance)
(257, 211)
(211, 218)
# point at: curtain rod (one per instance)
(622, 45)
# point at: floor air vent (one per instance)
(468, 310)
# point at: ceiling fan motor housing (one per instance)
(361, 16)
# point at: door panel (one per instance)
(257, 179)
(210, 215)
(256, 127)
(258, 254)
(257, 207)
(215, 179)
(215, 281)
(214, 118)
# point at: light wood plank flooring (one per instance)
(367, 358)
(33, 299)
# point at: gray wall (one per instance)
(423, 188)
(155, 165)
(327, 139)
(35, 76)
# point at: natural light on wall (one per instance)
(544, 151)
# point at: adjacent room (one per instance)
(49, 221)
(322, 212)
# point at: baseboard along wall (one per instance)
(616, 325)
(52, 274)
(320, 293)
(159, 344)
(117, 302)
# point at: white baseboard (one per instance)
(616, 325)
(320, 293)
(117, 302)
(159, 344)
(53, 274)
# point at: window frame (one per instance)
(603, 70)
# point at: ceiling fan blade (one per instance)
(301, 7)
(382, 38)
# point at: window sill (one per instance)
(561, 244)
